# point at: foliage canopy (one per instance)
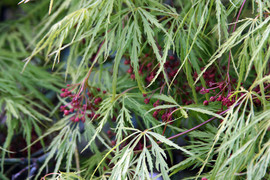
(140, 75)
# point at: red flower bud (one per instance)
(132, 76)
(66, 112)
(130, 70)
(126, 62)
(171, 57)
(146, 101)
(205, 102)
(212, 98)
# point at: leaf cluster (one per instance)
(87, 42)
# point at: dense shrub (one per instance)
(123, 89)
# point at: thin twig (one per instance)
(189, 130)
(234, 27)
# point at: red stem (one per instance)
(239, 15)
(194, 128)
(229, 60)
(189, 130)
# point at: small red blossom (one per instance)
(66, 112)
(205, 102)
(146, 100)
(212, 99)
(126, 62)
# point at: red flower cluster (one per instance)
(81, 104)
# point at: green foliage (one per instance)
(25, 107)
(171, 50)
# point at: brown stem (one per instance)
(94, 62)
